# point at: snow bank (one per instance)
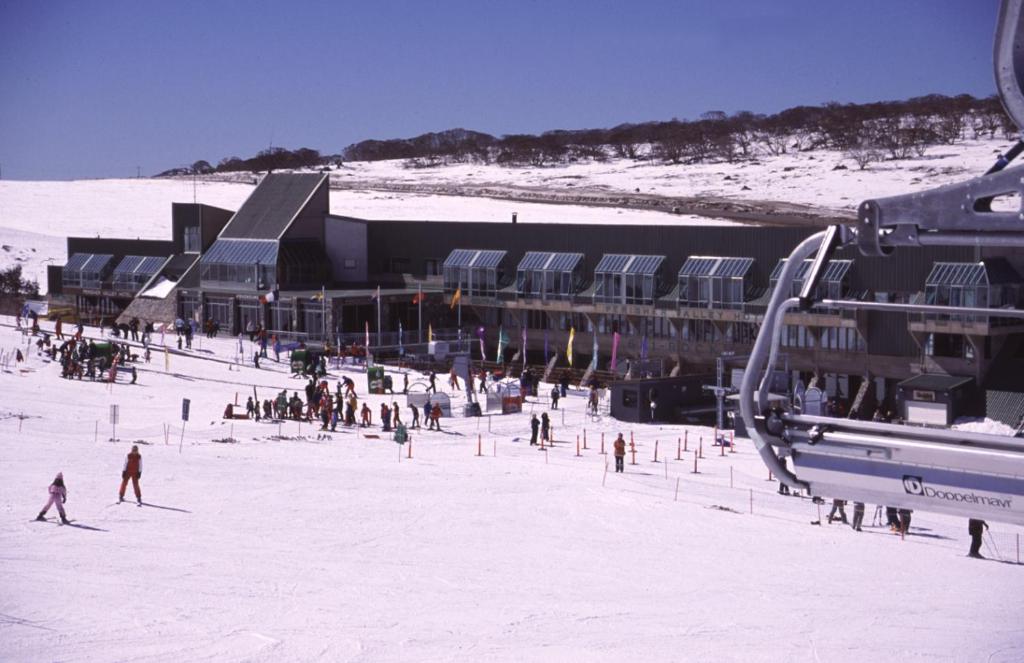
(989, 426)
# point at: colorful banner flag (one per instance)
(455, 299)
(524, 347)
(417, 298)
(568, 347)
(593, 355)
(615, 350)
(503, 340)
(265, 299)
(430, 333)
(367, 333)
(376, 294)
(480, 335)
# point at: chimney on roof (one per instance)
(514, 216)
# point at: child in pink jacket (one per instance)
(58, 496)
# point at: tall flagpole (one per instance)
(419, 301)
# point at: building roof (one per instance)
(629, 264)
(241, 252)
(271, 207)
(935, 382)
(474, 258)
(716, 266)
(990, 271)
(139, 265)
(87, 262)
(550, 262)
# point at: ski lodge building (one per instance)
(682, 299)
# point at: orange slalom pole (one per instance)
(584, 438)
(632, 450)
(732, 443)
(410, 447)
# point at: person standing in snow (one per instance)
(837, 505)
(132, 470)
(415, 415)
(435, 416)
(858, 515)
(976, 527)
(620, 453)
(385, 417)
(58, 496)
(554, 398)
(545, 428)
(534, 427)
(396, 415)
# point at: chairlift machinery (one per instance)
(959, 473)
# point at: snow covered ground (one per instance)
(282, 546)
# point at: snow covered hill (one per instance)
(267, 542)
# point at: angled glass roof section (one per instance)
(716, 266)
(835, 271)
(97, 262)
(644, 264)
(488, 259)
(460, 258)
(241, 252)
(534, 260)
(698, 266)
(564, 262)
(957, 273)
(76, 262)
(612, 262)
(139, 265)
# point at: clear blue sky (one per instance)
(96, 88)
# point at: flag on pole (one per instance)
(367, 333)
(480, 335)
(430, 333)
(615, 350)
(375, 295)
(318, 297)
(503, 340)
(265, 299)
(568, 347)
(417, 298)
(524, 347)
(455, 298)
(400, 336)
(593, 355)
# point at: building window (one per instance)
(193, 243)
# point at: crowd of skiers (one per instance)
(340, 407)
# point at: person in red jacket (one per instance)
(132, 470)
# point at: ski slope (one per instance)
(283, 547)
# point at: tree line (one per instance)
(864, 133)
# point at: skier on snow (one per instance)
(132, 470)
(58, 495)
